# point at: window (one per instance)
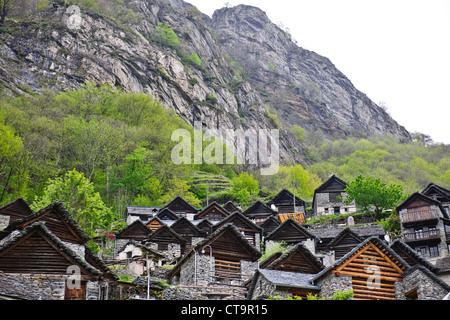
(337, 210)
(434, 251)
(334, 196)
(422, 251)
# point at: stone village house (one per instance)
(42, 251)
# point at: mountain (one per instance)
(236, 70)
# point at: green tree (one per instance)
(245, 188)
(370, 192)
(80, 199)
(165, 35)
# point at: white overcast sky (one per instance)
(397, 51)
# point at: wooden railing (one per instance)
(419, 215)
(421, 235)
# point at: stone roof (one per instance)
(148, 211)
(331, 231)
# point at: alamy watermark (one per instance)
(255, 147)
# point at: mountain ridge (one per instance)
(44, 53)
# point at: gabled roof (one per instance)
(434, 189)
(237, 219)
(258, 209)
(420, 197)
(383, 250)
(213, 208)
(411, 256)
(286, 197)
(231, 207)
(270, 224)
(229, 230)
(333, 184)
(226, 240)
(179, 204)
(16, 209)
(297, 259)
(164, 232)
(283, 280)
(183, 225)
(54, 247)
(142, 211)
(154, 223)
(346, 233)
(290, 231)
(167, 214)
(136, 230)
(58, 220)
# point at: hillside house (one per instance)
(231, 207)
(214, 213)
(226, 256)
(143, 214)
(13, 211)
(258, 212)
(327, 198)
(440, 194)
(291, 232)
(425, 226)
(167, 215)
(181, 208)
(283, 202)
(167, 242)
(374, 271)
(137, 255)
(251, 231)
(188, 231)
(36, 257)
(269, 225)
(136, 231)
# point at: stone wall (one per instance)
(330, 284)
(323, 203)
(427, 288)
(52, 286)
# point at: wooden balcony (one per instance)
(417, 217)
(419, 236)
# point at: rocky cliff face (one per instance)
(302, 87)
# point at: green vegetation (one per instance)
(411, 165)
(165, 35)
(370, 192)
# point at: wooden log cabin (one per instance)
(258, 212)
(297, 259)
(57, 219)
(283, 202)
(225, 256)
(213, 212)
(182, 208)
(13, 211)
(376, 272)
(188, 231)
(292, 233)
(167, 241)
(137, 231)
(251, 231)
(34, 252)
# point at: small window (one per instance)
(434, 251)
(422, 251)
(334, 196)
